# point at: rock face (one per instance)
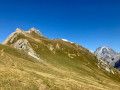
(108, 55)
(21, 44)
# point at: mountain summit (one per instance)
(108, 55)
(19, 31)
(33, 30)
(105, 53)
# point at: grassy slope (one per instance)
(18, 70)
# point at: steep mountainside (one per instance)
(30, 61)
(108, 55)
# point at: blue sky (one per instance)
(91, 23)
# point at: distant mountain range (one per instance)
(109, 56)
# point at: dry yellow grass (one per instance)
(17, 73)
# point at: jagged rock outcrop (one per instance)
(23, 44)
(105, 66)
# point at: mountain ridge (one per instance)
(41, 63)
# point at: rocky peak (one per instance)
(109, 56)
(32, 29)
(35, 31)
(104, 51)
(18, 30)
